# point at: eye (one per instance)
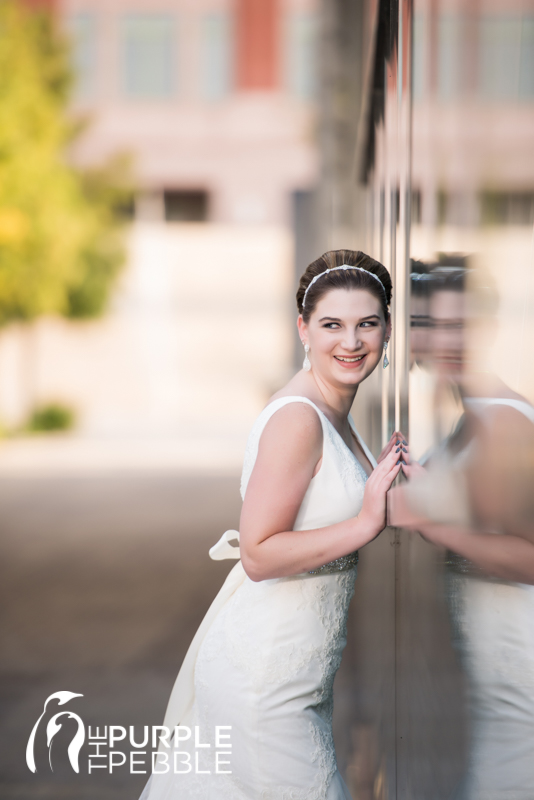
(329, 325)
(372, 323)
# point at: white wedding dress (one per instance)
(493, 626)
(265, 656)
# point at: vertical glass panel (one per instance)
(148, 55)
(82, 30)
(449, 56)
(500, 48)
(472, 420)
(217, 56)
(420, 57)
(526, 65)
(301, 55)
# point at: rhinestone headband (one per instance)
(343, 266)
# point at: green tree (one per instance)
(60, 236)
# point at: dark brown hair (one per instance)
(343, 279)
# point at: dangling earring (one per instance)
(306, 365)
(386, 359)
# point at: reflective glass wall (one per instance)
(443, 194)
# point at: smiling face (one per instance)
(448, 317)
(346, 334)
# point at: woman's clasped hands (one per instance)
(394, 457)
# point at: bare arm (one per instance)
(499, 480)
(289, 451)
(508, 557)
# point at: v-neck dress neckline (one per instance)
(362, 444)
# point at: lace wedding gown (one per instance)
(265, 656)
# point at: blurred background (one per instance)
(167, 171)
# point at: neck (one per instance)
(339, 400)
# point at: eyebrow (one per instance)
(336, 319)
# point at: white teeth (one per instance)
(349, 360)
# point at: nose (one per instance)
(351, 340)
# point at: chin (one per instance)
(352, 379)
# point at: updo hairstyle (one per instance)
(455, 273)
(343, 279)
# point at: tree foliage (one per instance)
(60, 237)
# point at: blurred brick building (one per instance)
(216, 104)
(214, 99)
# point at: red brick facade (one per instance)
(258, 37)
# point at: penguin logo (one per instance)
(52, 728)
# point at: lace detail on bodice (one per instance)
(338, 565)
(352, 471)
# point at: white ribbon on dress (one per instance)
(223, 549)
(180, 705)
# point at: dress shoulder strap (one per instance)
(251, 451)
(223, 549)
(520, 405)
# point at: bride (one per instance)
(251, 709)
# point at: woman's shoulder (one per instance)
(496, 401)
(500, 462)
(504, 415)
(286, 436)
(291, 418)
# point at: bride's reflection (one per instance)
(474, 499)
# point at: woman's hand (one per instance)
(399, 512)
(373, 511)
(413, 470)
(398, 440)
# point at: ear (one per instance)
(302, 328)
(388, 328)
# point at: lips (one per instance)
(349, 361)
